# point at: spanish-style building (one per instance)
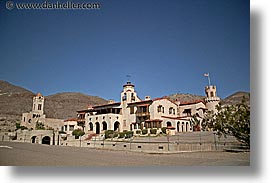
(135, 114)
(130, 114)
(32, 118)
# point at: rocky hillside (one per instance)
(15, 100)
(230, 100)
(64, 105)
(236, 98)
(185, 97)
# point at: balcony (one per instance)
(142, 114)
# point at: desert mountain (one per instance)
(15, 100)
(185, 97)
(236, 98)
(64, 105)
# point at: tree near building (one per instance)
(231, 120)
(78, 132)
(195, 123)
(39, 126)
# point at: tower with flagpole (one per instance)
(211, 100)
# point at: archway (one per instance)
(33, 139)
(97, 127)
(116, 126)
(91, 126)
(168, 124)
(46, 140)
(104, 124)
(187, 127)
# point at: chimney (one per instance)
(111, 101)
(90, 107)
(147, 98)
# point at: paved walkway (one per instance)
(26, 154)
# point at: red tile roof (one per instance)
(179, 118)
(140, 102)
(70, 119)
(162, 98)
(153, 120)
(39, 94)
(193, 102)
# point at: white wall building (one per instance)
(37, 115)
(132, 113)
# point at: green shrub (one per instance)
(23, 128)
(163, 130)
(121, 134)
(138, 131)
(18, 126)
(78, 132)
(115, 135)
(153, 131)
(109, 134)
(39, 126)
(129, 134)
(144, 131)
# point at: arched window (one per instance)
(124, 97)
(104, 124)
(97, 126)
(91, 126)
(212, 94)
(116, 126)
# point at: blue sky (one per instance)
(166, 47)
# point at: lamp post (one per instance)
(215, 141)
(168, 139)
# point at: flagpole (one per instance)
(209, 79)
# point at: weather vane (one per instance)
(128, 77)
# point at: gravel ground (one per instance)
(26, 154)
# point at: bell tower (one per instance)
(128, 94)
(38, 104)
(211, 100)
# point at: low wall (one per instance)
(152, 146)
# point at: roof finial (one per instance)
(128, 78)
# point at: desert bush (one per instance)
(163, 130)
(153, 131)
(144, 131)
(109, 134)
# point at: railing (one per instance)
(143, 114)
(81, 120)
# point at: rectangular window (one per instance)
(131, 110)
(39, 107)
(71, 128)
(65, 128)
